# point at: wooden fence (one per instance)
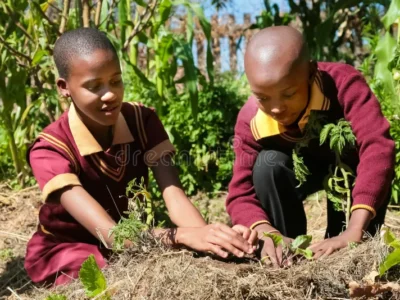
(222, 27)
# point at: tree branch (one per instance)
(13, 51)
(143, 20)
(98, 13)
(86, 13)
(64, 16)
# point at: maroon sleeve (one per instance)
(376, 148)
(242, 203)
(53, 165)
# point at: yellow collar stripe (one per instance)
(263, 125)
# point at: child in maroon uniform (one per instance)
(286, 89)
(85, 159)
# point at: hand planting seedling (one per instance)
(140, 216)
(297, 248)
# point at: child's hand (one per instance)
(269, 252)
(328, 246)
(247, 234)
(215, 238)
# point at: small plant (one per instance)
(338, 182)
(6, 254)
(140, 216)
(312, 131)
(298, 247)
(393, 258)
(93, 279)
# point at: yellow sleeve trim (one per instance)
(258, 223)
(45, 231)
(157, 152)
(363, 206)
(58, 182)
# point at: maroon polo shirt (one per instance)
(67, 154)
(339, 91)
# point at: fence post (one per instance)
(216, 44)
(232, 43)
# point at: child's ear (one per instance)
(313, 71)
(62, 87)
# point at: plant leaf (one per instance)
(92, 278)
(384, 52)
(390, 261)
(388, 236)
(38, 56)
(302, 242)
(276, 238)
(392, 14)
(307, 253)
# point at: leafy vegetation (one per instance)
(393, 258)
(199, 109)
(93, 279)
(297, 248)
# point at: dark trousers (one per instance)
(275, 185)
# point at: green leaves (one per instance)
(302, 242)
(339, 136)
(393, 259)
(184, 54)
(300, 169)
(307, 253)
(276, 238)
(385, 51)
(392, 15)
(92, 278)
(300, 246)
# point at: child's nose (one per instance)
(109, 96)
(278, 108)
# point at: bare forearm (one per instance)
(182, 212)
(88, 212)
(359, 222)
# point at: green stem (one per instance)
(347, 186)
(134, 49)
(12, 144)
(159, 82)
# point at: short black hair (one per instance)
(78, 42)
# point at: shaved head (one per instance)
(279, 48)
(279, 71)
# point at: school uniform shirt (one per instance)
(339, 91)
(66, 154)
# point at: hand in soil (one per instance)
(215, 238)
(251, 236)
(329, 246)
(272, 254)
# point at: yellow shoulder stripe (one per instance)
(56, 142)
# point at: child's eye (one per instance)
(262, 99)
(94, 87)
(117, 82)
(289, 95)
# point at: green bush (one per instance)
(204, 145)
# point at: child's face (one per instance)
(282, 94)
(95, 86)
